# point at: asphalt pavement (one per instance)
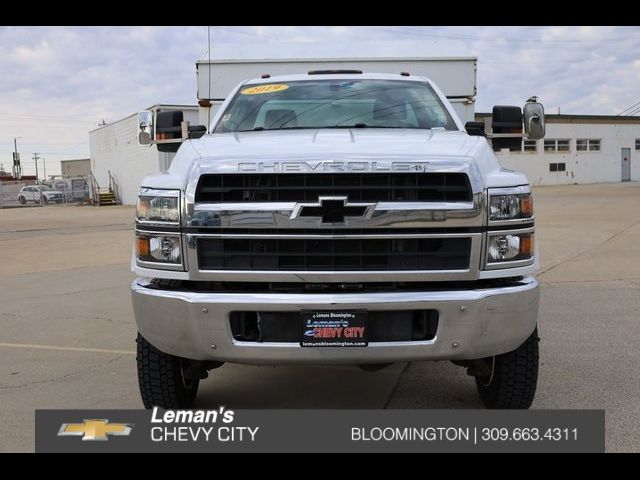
(67, 328)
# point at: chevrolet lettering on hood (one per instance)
(333, 166)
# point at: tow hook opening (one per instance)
(475, 368)
(374, 367)
(198, 370)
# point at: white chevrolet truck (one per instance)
(336, 217)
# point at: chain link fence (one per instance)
(28, 193)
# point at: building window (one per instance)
(587, 145)
(529, 145)
(637, 143)
(556, 145)
(557, 167)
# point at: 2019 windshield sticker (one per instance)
(261, 89)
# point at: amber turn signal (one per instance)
(526, 206)
(526, 245)
(142, 247)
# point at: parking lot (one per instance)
(67, 328)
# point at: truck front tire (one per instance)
(162, 378)
(513, 378)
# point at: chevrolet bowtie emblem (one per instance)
(95, 429)
(333, 209)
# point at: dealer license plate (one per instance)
(334, 329)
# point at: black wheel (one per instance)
(161, 378)
(513, 377)
(22, 200)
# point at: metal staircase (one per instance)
(104, 195)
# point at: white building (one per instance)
(114, 148)
(578, 149)
(79, 167)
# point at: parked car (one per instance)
(39, 194)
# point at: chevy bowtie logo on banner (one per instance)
(92, 430)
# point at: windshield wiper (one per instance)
(356, 125)
(364, 125)
(260, 129)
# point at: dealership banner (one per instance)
(319, 431)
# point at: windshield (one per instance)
(335, 104)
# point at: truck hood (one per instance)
(357, 149)
(332, 143)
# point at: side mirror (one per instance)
(506, 127)
(475, 128)
(196, 131)
(169, 130)
(534, 119)
(145, 128)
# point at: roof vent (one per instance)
(265, 75)
(333, 72)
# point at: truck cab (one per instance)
(336, 217)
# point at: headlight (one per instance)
(158, 206)
(158, 248)
(510, 205)
(510, 249)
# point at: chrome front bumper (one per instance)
(472, 323)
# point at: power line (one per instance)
(496, 38)
(209, 67)
(409, 31)
(35, 159)
(637, 110)
(54, 153)
(44, 117)
(52, 123)
(413, 30)
(629, 108)
(251, 34)
(44, 143)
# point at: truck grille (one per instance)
(303, 187)
(334, 254)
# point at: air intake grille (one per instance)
(334, 254)
(303, 187)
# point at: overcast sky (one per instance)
(57, 83)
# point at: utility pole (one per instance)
(17, 170)
(44, 167)
(35, 158)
